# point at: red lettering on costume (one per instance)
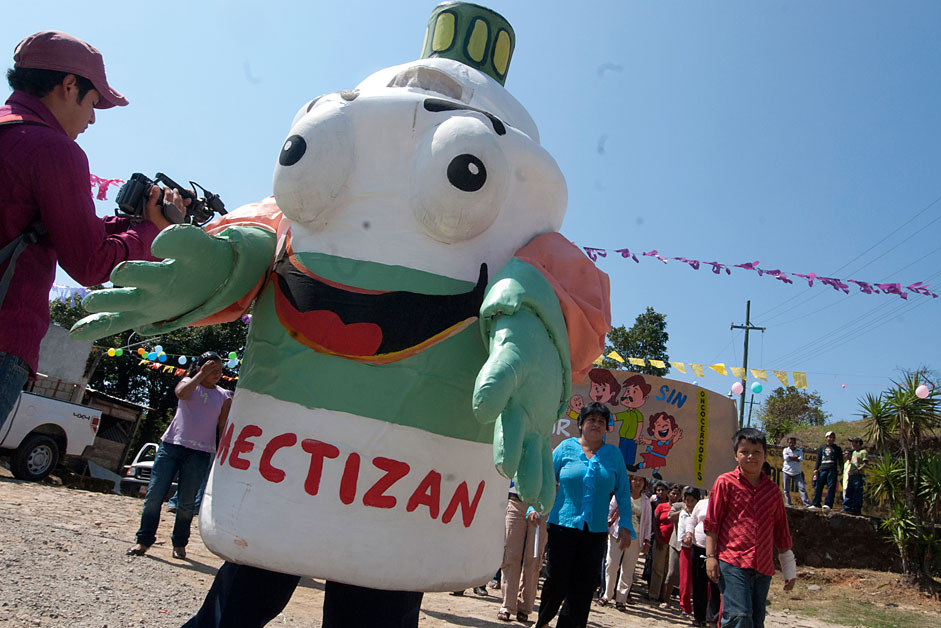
(224, 443)
(348, 481)
(242, 446)
(268, 470)
(428, 494)
(318, 450)
(460, 498)
(395, 471)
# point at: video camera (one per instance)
(133, 195)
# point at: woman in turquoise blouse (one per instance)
(588, 472)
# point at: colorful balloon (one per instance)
(152, 356)
(756, 387)
(737, 388)
(111, 352)
(232, 363)
(181, 360)
(162, 357)
(922, 392)
(141, 351)
(233, 355)
(695, 383)
(158, 349)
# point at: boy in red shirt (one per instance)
(744, 524)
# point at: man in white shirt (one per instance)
(705, 591)
(793, 457)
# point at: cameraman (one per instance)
(45, 192)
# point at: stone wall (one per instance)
(833, 539)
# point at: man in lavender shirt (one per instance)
(58, 81)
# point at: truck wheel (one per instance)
(35, 458)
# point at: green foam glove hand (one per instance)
(200, 275)
(525, 380)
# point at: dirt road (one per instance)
(62, 563)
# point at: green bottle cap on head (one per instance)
(473, 35)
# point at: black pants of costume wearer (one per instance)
(249, 597)
(573, 560)
(705, 591)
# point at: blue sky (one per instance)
(802, 134)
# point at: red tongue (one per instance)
(326, 329)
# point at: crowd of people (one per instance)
(714, 551)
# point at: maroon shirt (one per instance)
(44, 177)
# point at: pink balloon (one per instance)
(922, 391)
(737, 388)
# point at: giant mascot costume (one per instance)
(417, 323)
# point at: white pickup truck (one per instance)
(40, 430)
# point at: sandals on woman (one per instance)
(503, 615)
(603, 601)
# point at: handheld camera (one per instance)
(133, 195)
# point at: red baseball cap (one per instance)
(55, 50)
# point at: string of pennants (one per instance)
(718, 268)
(866, 287)
(176, 371)
(800, 379)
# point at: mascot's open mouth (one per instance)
(663, 433)
(367, 325)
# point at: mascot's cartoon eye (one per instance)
(294, 148)
(467, 173)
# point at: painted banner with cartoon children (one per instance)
(665, 429)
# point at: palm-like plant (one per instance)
(899, 416)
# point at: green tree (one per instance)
(898, 422)
(787, 408)
(647, 339)
(123, 377)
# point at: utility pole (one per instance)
(747, 327)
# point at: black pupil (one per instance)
(467, 173)
(294, 149)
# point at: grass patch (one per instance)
(862, 613)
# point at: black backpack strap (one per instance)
(13, 250)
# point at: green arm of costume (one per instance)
(200, 274)
(524, 384)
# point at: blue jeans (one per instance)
(175, 500)
(744, 595)
(828, 477)
(853, 500)
(13, 375)
(798, 479)
(192, 467)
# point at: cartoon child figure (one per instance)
(634, 394)
(666, 432)
(604, 389)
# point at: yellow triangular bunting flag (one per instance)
(737, 371)
(782, 376)
(719, 368)
(614, 355)
(637, 361)
(597, 361)
(800, 380)
(679, 366)
(759, 373)
(657, 364)
(697, 368)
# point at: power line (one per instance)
(767, 315)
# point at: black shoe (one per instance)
(657, 476)
(633, 468)
(481, 591)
